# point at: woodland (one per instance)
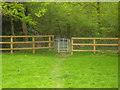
(64, 19)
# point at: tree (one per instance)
(66, 19)
(15, 11)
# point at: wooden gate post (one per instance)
(71, 46)
(33, 44)
(94, 47)
(11, 44)
(49, 43)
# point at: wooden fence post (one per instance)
(71, 46)
(94, 47)
(59, 45)
(118, 45)
(49, 43)
(33, 44)
(11, 44)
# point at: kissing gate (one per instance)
(62, 45)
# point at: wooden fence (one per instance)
(94, 44)
(50, 40)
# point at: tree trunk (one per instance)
(24, 27)
(98, 16)
(12, 25)
(98, 12)
(68, 31)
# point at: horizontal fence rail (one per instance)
(94, 44)
(93, 38)
(33, 42)
(27, 42)
(30, 36)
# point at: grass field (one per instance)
(50, 70)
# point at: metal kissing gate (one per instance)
(62, 45)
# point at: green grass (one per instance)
(50, 70)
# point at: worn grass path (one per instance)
(56, 72)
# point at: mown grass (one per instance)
(49, 70)
(89, 70)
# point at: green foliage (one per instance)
(13, 9)
(16, 10)
(41, 13)
(78, 19)
(67, 18)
